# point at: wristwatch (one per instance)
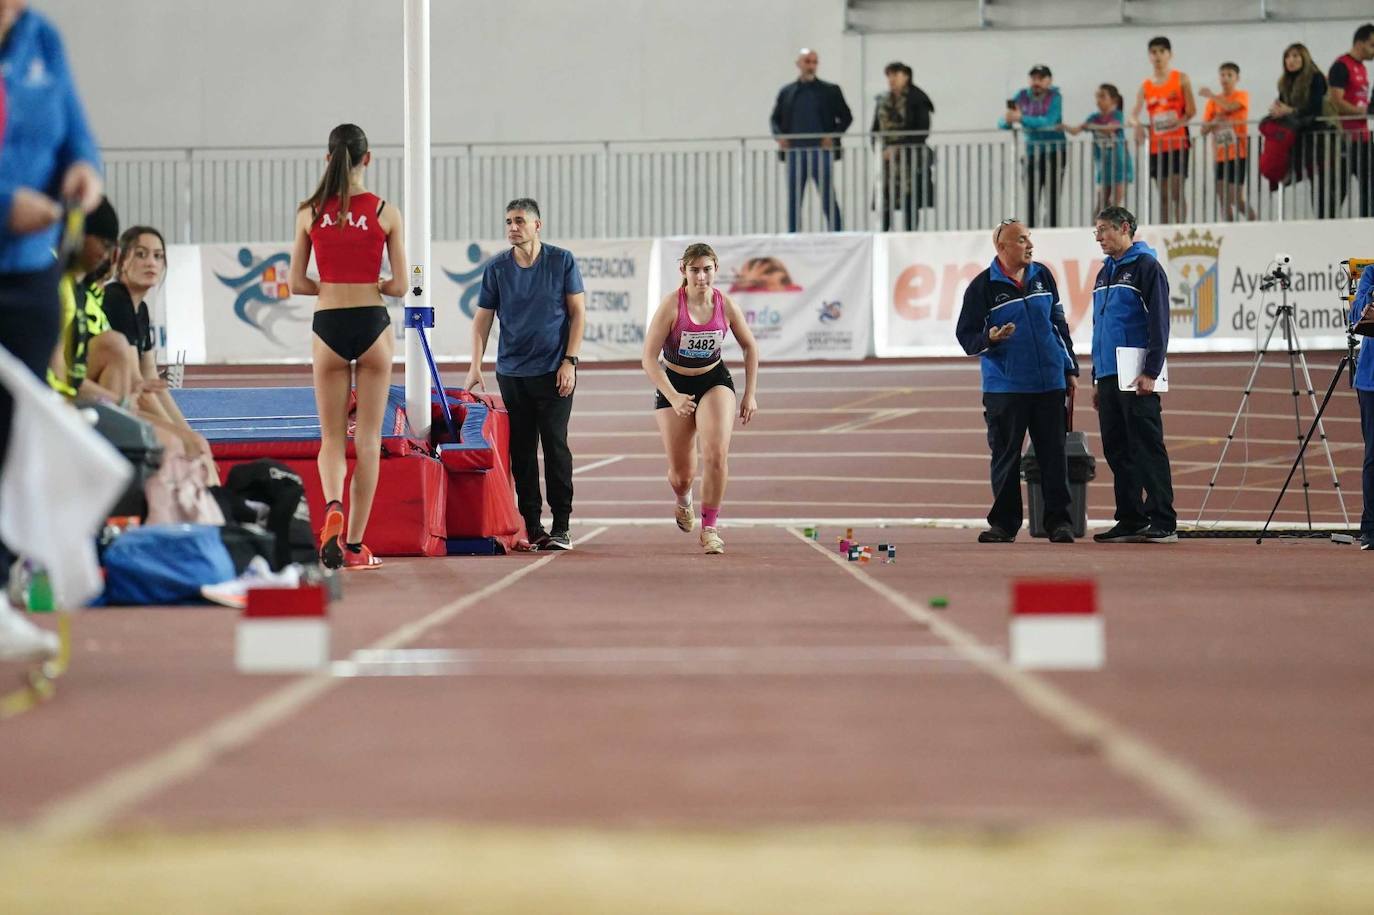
(572, 359)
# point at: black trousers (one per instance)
(30, 322)
(1009, 418)
(1044, 174)
(1367, 480)
(1133, 442)
(1359, 157)
(538, 415)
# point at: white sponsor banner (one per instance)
(804, 296)
(1215, 273)
(251, 316)
(614, 274)
(249, 312)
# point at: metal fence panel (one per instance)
(741, 185)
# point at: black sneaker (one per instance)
(558, 540)
(996, 535)
(1153, 534)
(537, 538)
(1062, 534)
(1367, 544)
(1121, 533)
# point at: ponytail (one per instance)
(347, 146)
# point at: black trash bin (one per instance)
(1082, 468)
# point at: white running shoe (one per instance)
(259, 574)
(21, 640)
(686, 520)
(711, 542)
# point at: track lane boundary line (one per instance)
(1206, 806)
(88, 809)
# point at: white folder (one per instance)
(1129, 359)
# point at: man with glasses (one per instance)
(1013, 321)
(1131, 309)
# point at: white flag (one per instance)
(56, 487)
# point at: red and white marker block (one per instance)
(1055, 626)
(283, 630)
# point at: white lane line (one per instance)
(1206, 806)
(855, 480)
(917, 523)
(876, 416)
(659, 661)
(601, 463)
(88, 809)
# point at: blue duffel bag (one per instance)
(165, 564)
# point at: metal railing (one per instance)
(735, 186)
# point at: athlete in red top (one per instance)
(347, 228)
(695, 391)
(1348, 89)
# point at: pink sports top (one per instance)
(694, 346)
(352, 254)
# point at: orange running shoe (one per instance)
(360, 561)
(331, 546)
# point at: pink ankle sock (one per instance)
(709, 515)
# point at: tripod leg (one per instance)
(1330, 389)
(1326, 442)
(1290, 336)
(1240, 411)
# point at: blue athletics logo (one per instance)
(470, 281)
(264, 294)
(831, 311)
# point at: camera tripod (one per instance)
(1296, 358)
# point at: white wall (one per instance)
(283, 72)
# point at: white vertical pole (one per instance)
(417, 203)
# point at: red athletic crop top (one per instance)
(353, 254)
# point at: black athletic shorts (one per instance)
(350, 332)
(1232, 171)
(1169, 162)
(696, 385)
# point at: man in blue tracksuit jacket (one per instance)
(1364, 390)
(47, 154)
(1131, 308)
(1013, 320)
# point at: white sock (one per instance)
(685, 499)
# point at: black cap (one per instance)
(1040, 70)
(102, 222)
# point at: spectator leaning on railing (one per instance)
(1112, 165)
(1224, 121)
(1348, 92)
(810, 105)
(907, 171)
(1039, 110)
(1303, 106)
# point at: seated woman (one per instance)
(140, 266)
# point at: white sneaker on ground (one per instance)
(686, 519)
(711, 542)
(259, 574)
(21, 640)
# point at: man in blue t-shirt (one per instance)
(536, 291)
